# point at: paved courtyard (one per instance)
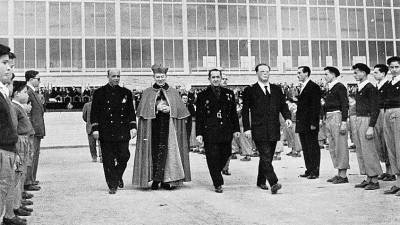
(74, 191)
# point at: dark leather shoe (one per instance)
(25, 202)
(26, 208)
(155, 185)
(121, 184)
(275, 188)
(167, 186)
(341, 180)
(112, 191)
(14, 221)
(372, 186)
(219, 189)
(389, 177)
(36, 182)
(262, 186)
(26, 195)
(312, 176)
(32, 188)
(393, 190)
(21, 212)
(382, 176)
(304, 175)
(330, 180)
(226, 172)
(234, 156)
(363, 184)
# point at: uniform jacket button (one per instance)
(111, 121)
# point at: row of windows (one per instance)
(68, 54)
(92, 19)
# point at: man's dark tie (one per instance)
(266, 90)
(217, 91)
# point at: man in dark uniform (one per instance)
(216, 123)
(114, 123)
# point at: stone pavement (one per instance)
(74, 192)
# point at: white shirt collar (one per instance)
(381, 83)
(333, 83)
(303, 85)
(362, 84)
(395, 80)
(262, 85)
(29, 85)
(16, 102)
(4, 90)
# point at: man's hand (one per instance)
(312, 127)
(247, 134)
(199, 139)
(133, 133)
(96, 135)
(343, 128)
(236, 134)
(370, 133)
(288, 123)
(165, 109)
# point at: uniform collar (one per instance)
(381, 83)
(30, 85)
(395, 80)
(4, 90)
(362, 84)
(262, 86)
(18, 103)
(333, 83)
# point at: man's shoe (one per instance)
(226, 172)
(277, 158)
(393, 190)
(290, 153)
(389, 177)
(304, 174)
(26, 208)
(14, 221)
(341, 180)
(255, 154)
(363, 184)
(296, 154)
(219, 189)
(167, 186)
(275, 188)
(36, 182)
(330, 180)
(26, 195)
(262, 186)
(372, 186)
(32, 187)
(21, 212)
(25, 202)
(121, 184)
(155, 185)
(312, 176)
(382, 176)
(246, 158)
(234, 156)
(112, 191)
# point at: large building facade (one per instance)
(82, 38)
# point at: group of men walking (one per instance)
(21, 130)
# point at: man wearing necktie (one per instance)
(262, 102)
(216, 124)
(37, 119)
(307, 121)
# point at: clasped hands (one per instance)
(162, 107)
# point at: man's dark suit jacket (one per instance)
(37, 113)
(212, 128)
(308, 108)
(264, 110)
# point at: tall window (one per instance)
(265, 51)
(201, 20)
(65, 19)
(135, 54)
(350, 51)
(135, 20)
(3, 18)
(30, 18)
(202, 54)
(169, 52)
(31, 53)
(100, 53)
(293, 26)
(167, 20)
(99, 19)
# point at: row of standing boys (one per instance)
(21, 131)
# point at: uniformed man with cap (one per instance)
(114, 124)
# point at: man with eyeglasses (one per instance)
(36, 116)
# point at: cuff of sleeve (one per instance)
(132, 125)
(95, 127)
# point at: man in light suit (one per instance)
(262, 102)
(92, 141)
(36, 116)
(307, 121)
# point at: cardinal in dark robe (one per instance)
(162, 152)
